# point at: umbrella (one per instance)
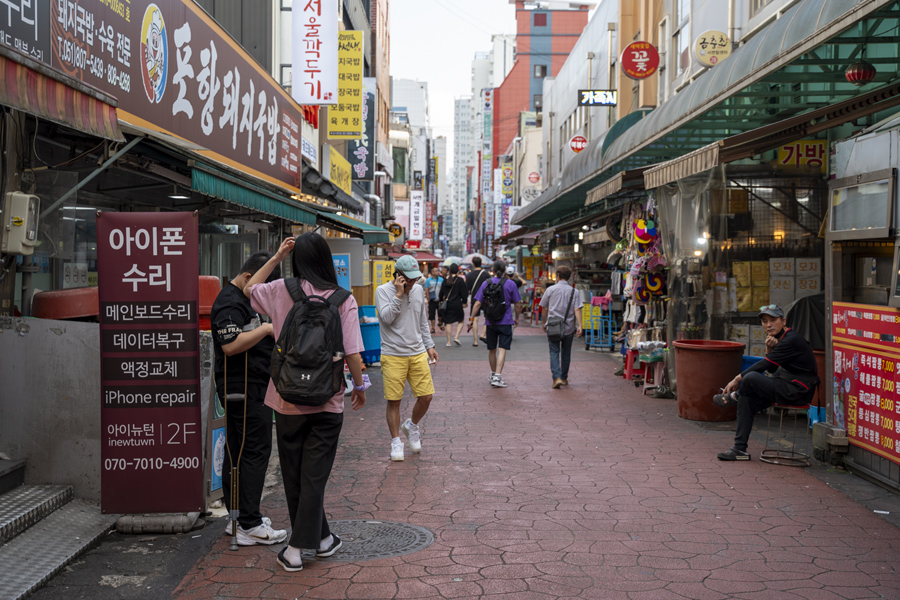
(484, 259)
(452, 259)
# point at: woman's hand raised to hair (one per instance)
(285, 249)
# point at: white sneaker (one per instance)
(498, 381)
(412, 434)
(261, 534)
(266, 521)
(396, 450)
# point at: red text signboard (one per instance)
(578, 143)
(534, 177)
(866, 364)
(149, 362)
(639, 60)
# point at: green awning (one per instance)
(370, 234)
(218, 184)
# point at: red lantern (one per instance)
(860, 73)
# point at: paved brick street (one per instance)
(589, 492)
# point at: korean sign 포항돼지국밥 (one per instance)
(866, 373)
(150, 453)
(345, 119)
(314, 52)
(174, 70)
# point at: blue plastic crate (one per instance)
(367, 310)
(371, 336)
(748, 361)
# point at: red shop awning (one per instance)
(419, 255)
(34, 88)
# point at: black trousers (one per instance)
(255, 455)
(758, 392)
(307, 445)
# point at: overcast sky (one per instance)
(435, 41)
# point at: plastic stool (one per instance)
(631, 357)
(777, 456)
(656, 371)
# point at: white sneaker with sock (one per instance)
(498, 381)
(266, 521)
(411, 431)
(261, 534)
(396, 449)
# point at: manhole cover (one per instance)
(378, 539)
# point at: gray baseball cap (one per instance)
(773, 310)
(408, 265)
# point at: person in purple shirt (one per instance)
(498, 330)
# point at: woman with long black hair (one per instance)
(456, 294)
(308, 435)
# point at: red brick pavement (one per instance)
(590, 492)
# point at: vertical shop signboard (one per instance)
(149, 363)
(486, 147)
(345, 119)
(362, 151)
(430, 199)
(315, 52)
(416, 215)
(866, 363)
(342, 270)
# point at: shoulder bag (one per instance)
(556, 327)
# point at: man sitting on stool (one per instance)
(794, 381)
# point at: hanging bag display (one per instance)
(556, 327)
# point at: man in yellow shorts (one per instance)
(407, 350)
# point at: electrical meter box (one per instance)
(20, 223)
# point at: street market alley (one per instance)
(531, 493)
(589, 492)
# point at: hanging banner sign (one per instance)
(150, 446)
(362, 151)
(487, 132)
(345, 119)
(578, 143)
(314, 53)
(416, 215)
(598, 97)
(507, 182)
(639, 60)
(342, 269)
(712, 47)
(866, 373)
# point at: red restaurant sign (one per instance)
(866, 376)
(150, 458)
(578, 143)
(639, 60)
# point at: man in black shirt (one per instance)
(794, 380)
(474, 279)
(241, 339)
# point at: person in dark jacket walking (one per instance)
(794, 379)
(455, 293)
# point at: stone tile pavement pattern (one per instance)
(593, 492)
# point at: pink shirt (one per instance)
(274, 300)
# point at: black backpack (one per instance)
(494, 303)
(307, 363)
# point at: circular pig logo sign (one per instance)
(154, 54)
